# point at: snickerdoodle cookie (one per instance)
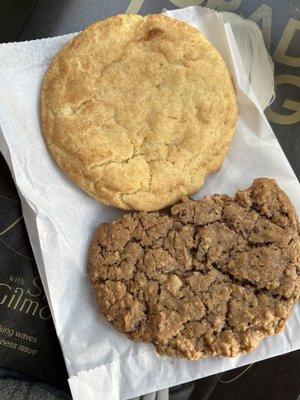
(138, 110)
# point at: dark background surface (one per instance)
(277, 378)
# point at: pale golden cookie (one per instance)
(208, 278)
(138, 110)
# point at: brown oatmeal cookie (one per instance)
(209, 278)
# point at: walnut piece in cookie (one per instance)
(208, 278)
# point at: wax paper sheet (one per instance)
(60, 218)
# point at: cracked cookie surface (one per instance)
(209, 278)
(138, 110)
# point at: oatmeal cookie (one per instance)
(211, 277)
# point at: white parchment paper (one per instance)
(60, 218)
